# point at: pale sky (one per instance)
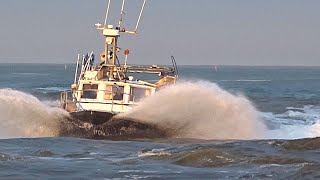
(207, 32)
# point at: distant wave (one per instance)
(247, 80)
(53, 89)
(42, 74)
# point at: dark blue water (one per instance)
(286, 99)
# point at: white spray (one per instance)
(23, 115)
(200, 110)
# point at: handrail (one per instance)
(64, 99)
(85, 67)
(77, 67)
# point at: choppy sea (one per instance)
(225, 122)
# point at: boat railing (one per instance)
(86, 64)
(68, 101)
(143, 69)
(64, 98)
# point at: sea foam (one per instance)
(199, 110)
(295, 123)
(23, 115)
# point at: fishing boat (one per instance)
(112, 86)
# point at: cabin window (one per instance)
(114, 92)
(117, 92)
(108, 93)
(90, 91)
(138, 93)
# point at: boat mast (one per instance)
(111, 38)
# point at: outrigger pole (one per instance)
(112, 34)
(107, 13)
(135, 30)
(121, 16)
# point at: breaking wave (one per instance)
(200, 110)
(295, 123)
(23, 115)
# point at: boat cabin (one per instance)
(110, 96)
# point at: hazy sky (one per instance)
(223, 32)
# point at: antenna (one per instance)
(107, 13)
(144, 2)
(121, 16)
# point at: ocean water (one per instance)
(229, 122)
